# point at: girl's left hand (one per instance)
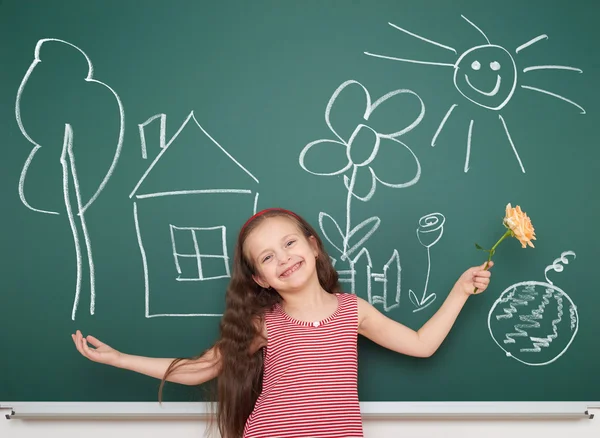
(475, 278)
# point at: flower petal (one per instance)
(396, 165)
(396, 113)
(347, 108)
(325, 155)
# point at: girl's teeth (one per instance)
(289, 271)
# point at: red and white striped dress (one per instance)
(310, 376)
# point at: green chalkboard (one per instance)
(138, 137)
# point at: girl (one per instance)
(286, 359)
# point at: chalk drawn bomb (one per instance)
(535, 322)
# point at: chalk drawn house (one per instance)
(187, 208)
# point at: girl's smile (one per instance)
(291, 269)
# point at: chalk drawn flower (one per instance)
(366, 149)
(430, 231)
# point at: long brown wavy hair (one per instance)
(239, 382)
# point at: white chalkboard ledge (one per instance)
(370, 410)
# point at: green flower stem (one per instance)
(493, 250)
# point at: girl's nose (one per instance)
(283, 258)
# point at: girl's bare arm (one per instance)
(186, 371)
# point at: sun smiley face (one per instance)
(486, 75)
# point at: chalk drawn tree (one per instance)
(49, 155)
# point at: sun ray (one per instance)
(467, 158)
(552, 67)
(422, 38)
(445, 64)
(532, 41)
(442, 124)
(539, 90)
(511, 142)
(480, 31)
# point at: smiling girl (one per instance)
(286, 360)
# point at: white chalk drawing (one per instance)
(190, 258)
(199, 273)
(350, 240)
(470, 71)
(535, 322)
(430, 231)
(360, 277)
(71, 187)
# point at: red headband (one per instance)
(260, 213)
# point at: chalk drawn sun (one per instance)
(486, 75)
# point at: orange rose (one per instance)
(520, 225)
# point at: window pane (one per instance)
(188, 267)
(214, 267)
(210, 241)
(183, 240)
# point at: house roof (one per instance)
(191, 161)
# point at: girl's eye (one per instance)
(290, 242)
(266, 259)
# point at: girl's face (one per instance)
(283, 257)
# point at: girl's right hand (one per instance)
(101, 352)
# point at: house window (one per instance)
(200, 253)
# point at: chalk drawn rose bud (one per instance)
(431, 228)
